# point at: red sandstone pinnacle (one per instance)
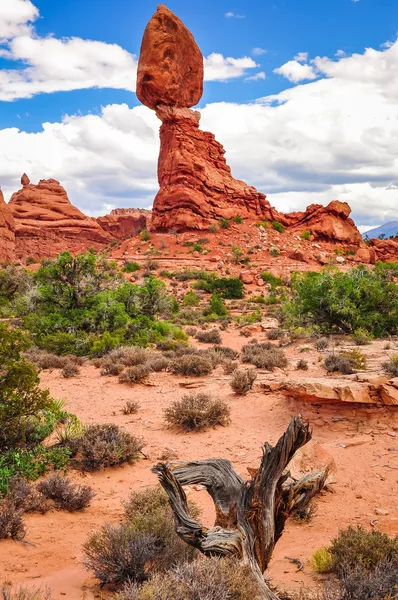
(7, 229)
(25, 180)
(46, 223)
(170, 69)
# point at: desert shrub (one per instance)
(216, 306)
(25, 593)
(238, 220)
(105, 445)
(191, 365)
(197, 411)
(360, 547)
(190, 299)
(224, 223)
(26, 497)
(129, 356)
(212, 336)
(130, 267)
(271, 279)
(213, 228)
(302, 364)
(278, 226)
(274, 251)
(335, 362)
(322, 561)
(45, 360)
(210, 579)
(111, 366)
(245, 332)
(305, 235)
(70, 370)
(322, 343)
(362, 337)
(224, 352)
(191, 331)
(360, 298)
(391, 366)
(274, 334)
(230, 366)
(11, 521)
(157, 364)
(242, 380)
(24, 407)
(134, 374)
(357, 358)
(131, 407)
(356, 583)
(264, 356)
(66, 495)
(144, 236)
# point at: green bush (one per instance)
(278, 226)
(130, 267)
(216, 306)
(272, 280)
(190, 299)
(360, 547)
(238, 220)
(305, 235)
(224, 223)
(345, 302)
(362, 337)
(144, 236)
(322, 561)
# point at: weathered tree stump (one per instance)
(250, 515)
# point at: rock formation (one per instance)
(196, 185)
(46, 223)
(7, 232)
(386, 250)
(124, 223)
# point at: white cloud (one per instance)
(232, 15)
(220, 68)
(301, 57)
(15, 16)
(340, 54)
(258, 76)
(258, 51)
(295, 71)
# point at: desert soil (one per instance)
(359, 444)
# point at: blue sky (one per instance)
(274, 60)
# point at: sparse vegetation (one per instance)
(211, 336)
(144, 236)
(278, 226)
(242, 380)
(25, 593)
(134, 374)
(131, 407)
(322, 561)
(336, 362)
(224, 223)
(391, 366)
(196, 412)
(274, 251)
(65, 494)
(264, 356)
(322, 343)
(302, 365)
(191, 365)
(11, 521)
(70, 370)
(131, 267)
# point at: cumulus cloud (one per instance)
(220, 68)
(258, 76)
(53, 65)
(258, 51)
(294, 71)
(301, 57)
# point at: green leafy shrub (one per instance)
(196, 412)
(272, 280)
(191, 365)
(144, 236)
(229, 288)
(216, 306)
(345, 302)
(130, 267)
(190, 299)
(360, 547)
(211, 579)
(362, 337)
(391, 366)
(278, 226)
(305, 235)
(242, 380)
(105, 445)
(238, 220)
(356, 357)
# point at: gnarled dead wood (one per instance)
(250, 515)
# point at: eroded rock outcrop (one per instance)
(46, 223)
(124, 223)
(7, 232)
(330, 223)
(196, 185)
(386, 250)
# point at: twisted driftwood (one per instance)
(250, 515)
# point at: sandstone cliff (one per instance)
(7, 232)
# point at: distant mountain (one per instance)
(388, 229)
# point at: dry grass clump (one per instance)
(322, 343)
(274, 334)
(24, 593)
(45, 360)
(210, 579)
(134, 374)
(391, 366)
(356, 583)
(196, 412)
(230, 366)
(212, 336)
(264, 356)
(159, 363)
(70, 369)
(129, 356)
(191, 365)
(224, 352)
(302, 365)
(242, 380)
(65, 494)
(11, 521)
(111, 367)
(105, 445)
(336, 363)
(145, 542)
(131, 407)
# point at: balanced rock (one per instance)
(196, 185)
(7, 232)
(46, 223)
